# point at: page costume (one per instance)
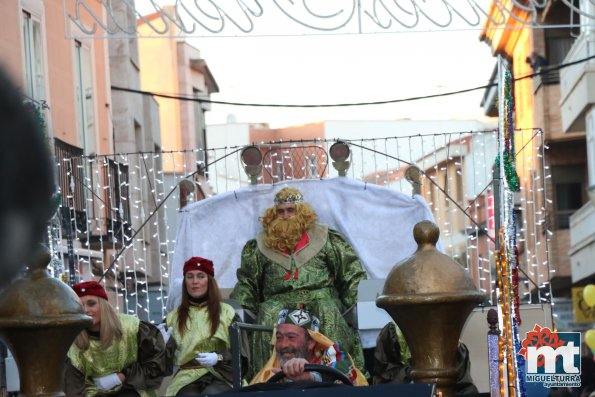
(140, 355)
(197, 339)
(322, 273)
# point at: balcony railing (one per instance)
(547, 76)
(70, 165)
(77, 199)
(117, 179)
(307, 161)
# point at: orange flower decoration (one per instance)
(540, 337)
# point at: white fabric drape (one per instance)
(377, 221)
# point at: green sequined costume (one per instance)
(198, 340)
(140, 355)
(323, 275)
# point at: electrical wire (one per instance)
(542, 71)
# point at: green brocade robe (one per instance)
(328, 274)
(196, 340)
(143, 373)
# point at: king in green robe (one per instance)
(318, 269)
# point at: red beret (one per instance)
(198, 263)
(90, 288)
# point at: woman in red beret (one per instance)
(118, 355)
(200, 328)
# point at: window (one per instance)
(85, 110)
(568, 200)
(33, 57)
(568, 190)
(558, 43)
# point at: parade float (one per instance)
(130, 219)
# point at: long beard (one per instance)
(284, 234)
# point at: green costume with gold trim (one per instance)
(139, 355)
(323, 275)
(196, 340)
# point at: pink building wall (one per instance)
(58, 63)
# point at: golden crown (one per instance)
(287, 196)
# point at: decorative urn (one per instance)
(430, 296)
(39, 318)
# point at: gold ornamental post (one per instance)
(39, 318)
(430, 296)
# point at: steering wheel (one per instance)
(334, 373)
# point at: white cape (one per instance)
(377, 221)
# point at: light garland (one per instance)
(509, 154)
(501, 351)
(494, 363)
(520, 361)
(507, 259)
(510, 381)
(116, 179)
(507, 332)
(515, 274)
(502, 312)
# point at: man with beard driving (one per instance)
(293, 261)
(297, 343)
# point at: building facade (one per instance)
(175, 67)
(577, 102)
(540, 93)
(68, 81)
(111, 223)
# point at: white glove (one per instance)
(207, 359)
(166, 334)
(107, 382)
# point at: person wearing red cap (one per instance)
(118, 355)
(200, 328)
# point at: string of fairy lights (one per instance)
(118, 215)
(119, 212)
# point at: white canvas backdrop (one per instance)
(377, 221)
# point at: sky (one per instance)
(282, 66)
(348, 69)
